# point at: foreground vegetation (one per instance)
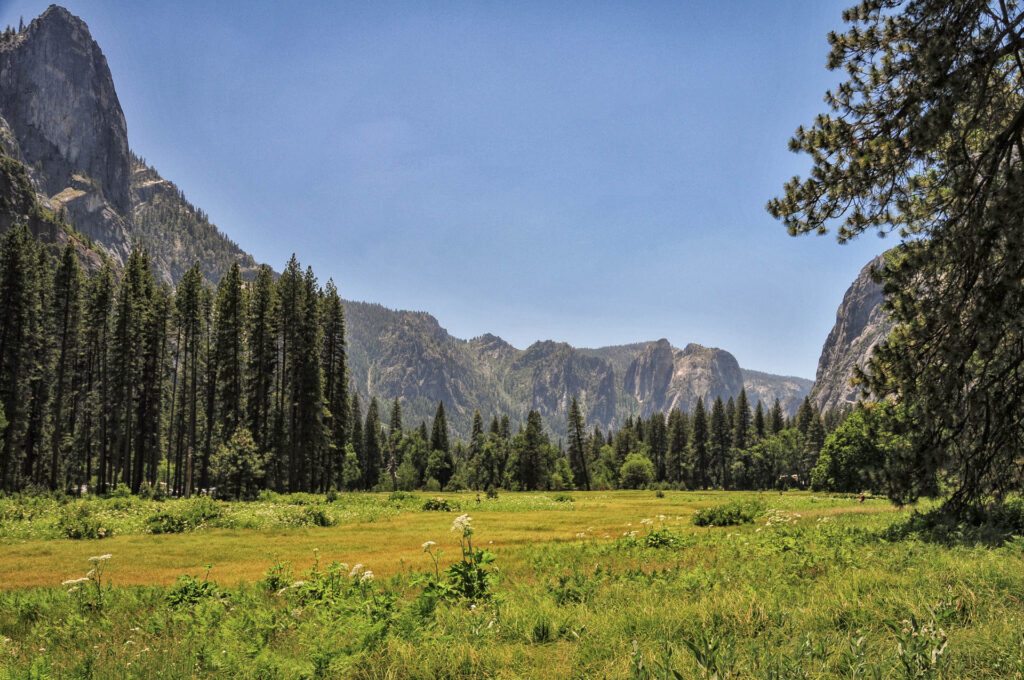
(616, 584)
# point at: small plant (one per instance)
(727, 514)
(188, 590)
(92, 582)
(919, 647)
(278, 576)
(564, 498)
(470, 578)
(714, 661)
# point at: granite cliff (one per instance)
(861, 323)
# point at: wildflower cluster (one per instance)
(470, 578)
(93, 576)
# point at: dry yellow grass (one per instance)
(387, 546)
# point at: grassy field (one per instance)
(587, 585)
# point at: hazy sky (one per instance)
(588, 172)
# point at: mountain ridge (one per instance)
(68, 130)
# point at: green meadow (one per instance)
(621, 584)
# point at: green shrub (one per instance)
(188, 590)
(77, 521)
(186, 516)
(311, 516)
(563, 498)
(440, 505)
(727, 514)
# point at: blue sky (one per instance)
(588, 172)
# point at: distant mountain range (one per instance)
(65, 151)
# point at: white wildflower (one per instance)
(355, 571)
(367, 576)
(428, 545)
(100, 558)
(661, 518)
(647, 520)
(75, 581)
(462, 523)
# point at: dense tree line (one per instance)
(115, 379)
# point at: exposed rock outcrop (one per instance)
(789, 390)
(58, 99)
(861, 323)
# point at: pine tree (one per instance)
(699, 445)
(188, 302)
(335, 380)
(66, 317)
(262, 358)
(395, 422)
(760, 429)
(94, 439)
(439, 431)
(229, 354)
(677, 443)
(17, 258)
(577, 454)
(531, 444)
(804, 416)
(308, 433)
(741, 422)
(355, 434)
(721, 438)
(657, 440)
(153, 371)
(40, 375)
(371, 460)
(777, 421)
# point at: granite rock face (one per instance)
(861, 323)
(766, 388)
(58, 99)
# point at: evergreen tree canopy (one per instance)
(926, 138)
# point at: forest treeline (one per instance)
(116, 379)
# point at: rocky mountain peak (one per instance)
(861, 323)
(651, 372)
(60, 101)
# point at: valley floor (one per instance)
(816, 586)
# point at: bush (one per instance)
(563, 498)
(492, 493)
(311, 516)
(188, 515)
(440, 505)
(727, 514)
(77, 521)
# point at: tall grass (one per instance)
(815, 588)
